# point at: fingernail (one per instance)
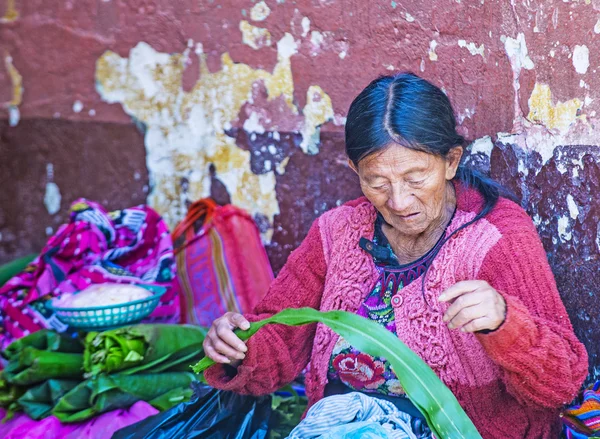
(450, 326)
(227, 360)
(245, 326)
(463, 330)
(241, 356)
(442, 298)
(445, 319)
(242, 347)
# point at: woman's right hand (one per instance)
(221, 344)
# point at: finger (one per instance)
(466, 315)
(226, 350)
(479, 324)
(210, 352)
(239, 321)
(460, 288)
(464, 301)
(228, 336)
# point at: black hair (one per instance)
(409, 111)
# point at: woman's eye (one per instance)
(416, 182)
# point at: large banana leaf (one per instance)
(434, 400)
(11, 269)
(44, 340)
(110, 392)
(142, 348)
(33, 366)
(38, 401)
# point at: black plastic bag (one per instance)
(211, 414)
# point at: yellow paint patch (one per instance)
(317, 111)
(185, 131)
(16, 80)
(11, 13)
(253, 36)
(554, 116)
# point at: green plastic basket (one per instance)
(98, 318)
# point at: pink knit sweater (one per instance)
(510, 382)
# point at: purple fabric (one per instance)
(100, 427)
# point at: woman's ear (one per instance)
(453, 159)
(352, 166)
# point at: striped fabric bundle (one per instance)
(583, 421)
(221, 262)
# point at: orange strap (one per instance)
(202, 208)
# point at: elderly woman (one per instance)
(434, 253)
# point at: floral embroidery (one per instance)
(360, 370)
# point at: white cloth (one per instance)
(347, 415)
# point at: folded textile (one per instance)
(143, 348)
(101, 427)
(130, 246)
(109, 392)
(33, 366)
(583, 420)
(39, 401)
(44, 340)
(332, 417)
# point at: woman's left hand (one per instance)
(476, 306)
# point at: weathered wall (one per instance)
(126, 101)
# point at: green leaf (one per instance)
(434, 400)
(7, 271)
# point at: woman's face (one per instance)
(408, 187)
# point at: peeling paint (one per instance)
(305, 26)
(253, 36)
(77, 106)
(317, 111)
(472, 48)
(554, 116)
(52, 195)
(573, 209)
(16, 80)
(409, 17)
(432, 55)
(11, 13)
(564, 229)
(483, 146)
(597, 27)
(260, 11)
(185, 131)
(581, 59)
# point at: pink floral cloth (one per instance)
(130, 246)
(100, 427)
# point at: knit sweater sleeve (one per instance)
(542, 361)
(278, 353)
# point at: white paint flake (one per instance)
(77, 106)
(573, 209)
(516, 49)
(260, 12)
(483, 145)
(409, 18)
(597, 27)
(564, 232)
(581, 59)
(52, 195)
(472, 48)
(432, 55)
(305, 26)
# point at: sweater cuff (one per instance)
(516, 332)
(220, 376)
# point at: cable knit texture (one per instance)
(511, 382)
